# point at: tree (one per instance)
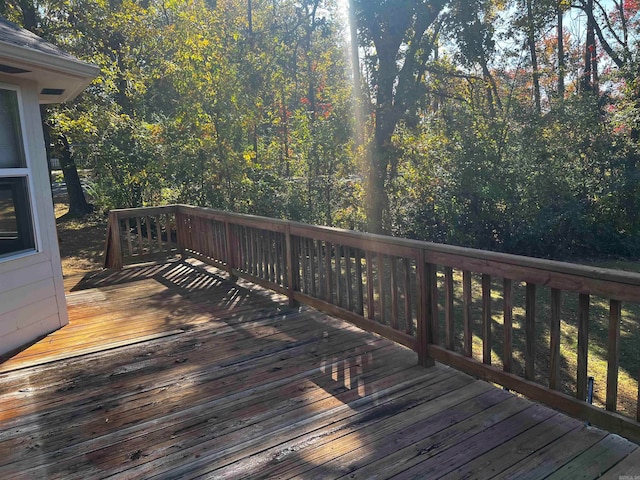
(399, 32)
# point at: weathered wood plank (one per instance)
(629, 466)
(341, 450)
(491, 438)
(254, 388)
(593, 462)
(427, 445)
(488, 465)
(553, 456)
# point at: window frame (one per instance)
(27, 173)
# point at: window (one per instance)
(16, 220)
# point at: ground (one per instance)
(81, 240)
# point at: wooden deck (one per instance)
(171, 371)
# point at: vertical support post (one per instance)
(292, 267)
(423, 307)
(115, 240)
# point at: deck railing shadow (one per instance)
(422, 295)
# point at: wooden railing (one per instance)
(477, 311)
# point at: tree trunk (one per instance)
(589, 50)
(560, 32)
(381, 150)
(357, 81)
(531, 41)
(78, 205)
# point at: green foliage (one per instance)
(199, 102)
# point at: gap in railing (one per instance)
(148, 235)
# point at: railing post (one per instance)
(116, 246)
(423, 306)
(292, 263)
(231, 251)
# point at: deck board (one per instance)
(172, 371)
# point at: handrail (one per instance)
(422, 295)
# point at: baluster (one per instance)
(583, 346)
(149, 241)
(159, 232)
(466, 313)
(359, 290)
(434, 312)
(449, 333)
(128, 233)
(394, 291)
(279, 258)
(507, 352)
(638, 399)
(486, 319)
(304, 247)
(139, 227)
(339, 279)
(613, 355)
(380, 268)
(312, 265)
(347, 264)
(270, 268)
(328, 273)
(530, 332)
(408, 317)
(554, 332)
(370, 294)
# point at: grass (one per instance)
(598, 337)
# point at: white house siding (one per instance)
(32, 301)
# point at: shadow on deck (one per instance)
(172, 371)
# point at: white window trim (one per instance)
(23, 172)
